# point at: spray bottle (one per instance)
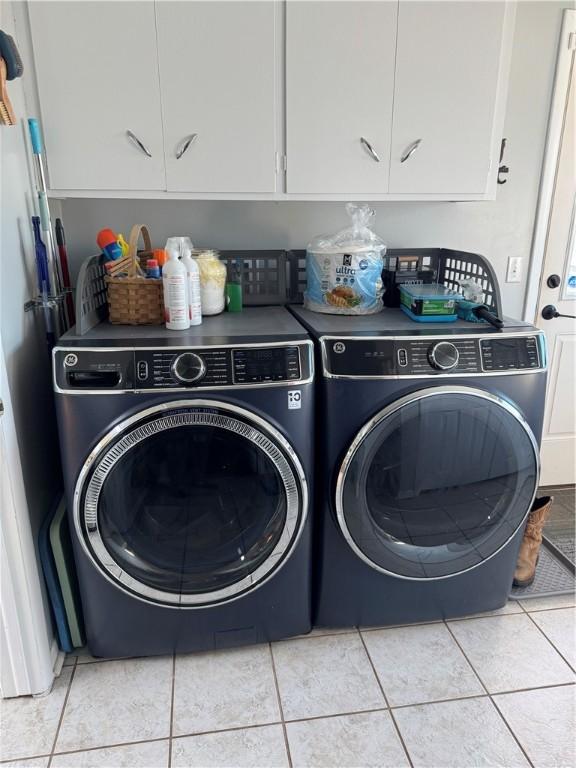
(174, 281)
(193, 281)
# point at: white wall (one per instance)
(22, 336)
(495, 229)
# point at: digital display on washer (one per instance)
(359, 357)
(268, 364)
(509, 354)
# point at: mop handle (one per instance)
(37, 149)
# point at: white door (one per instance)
(26, 637)
(218, 74)
(558, 452)
(447, 73)
(97, 73)
(339, 88)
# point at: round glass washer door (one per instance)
(190, 503)
(437, 483)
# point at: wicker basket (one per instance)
(135, 300)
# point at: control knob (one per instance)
(188, 368)
(443, 356)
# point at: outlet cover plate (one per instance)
(514, 273)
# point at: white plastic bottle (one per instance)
(174, 283)
(193, 279)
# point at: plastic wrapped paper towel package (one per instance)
(344, 271)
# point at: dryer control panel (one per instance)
(176, 368)
(425, 356)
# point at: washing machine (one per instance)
(429, 439)
(187, 460)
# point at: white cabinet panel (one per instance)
(218, 76)
(447, 69)
(97, 74)
(339, 81)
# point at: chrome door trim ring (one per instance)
(291, 473)
(388, 411)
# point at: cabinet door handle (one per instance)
(369, 148)
(133, 138)
(186, 143)
(410, 149)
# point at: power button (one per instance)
(402, 358)
(142, 370)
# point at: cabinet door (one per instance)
(218, 76)
(447, 75)
(339, 82)
(97, 74)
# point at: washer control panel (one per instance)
(143, 369)
(430, 356)
(266, 365)
(176, 368)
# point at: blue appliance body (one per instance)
(427, 474)
(189, 501)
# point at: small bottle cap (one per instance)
(151, 263)
(160, 256)
(106, 237)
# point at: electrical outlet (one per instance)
(514, 274)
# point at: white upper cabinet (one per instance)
(339, 92)
(97, 79)
(375, 99)
(447, 77)
(218, 73)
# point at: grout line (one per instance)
(170, 737)
(61, 718)
(490, 696)
(281, 708)
(552, 608)
(440, 701)
(533, 688)
(93, 749)
(232, 728)
(481, 695)
(539, 628)
(404, 747)
(338, 714)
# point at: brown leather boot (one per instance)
(530, 547)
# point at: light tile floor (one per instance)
(491, 690)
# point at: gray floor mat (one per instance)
(563, 541)
(552, 578)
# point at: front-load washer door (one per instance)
(437, 483)
(190, 503)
